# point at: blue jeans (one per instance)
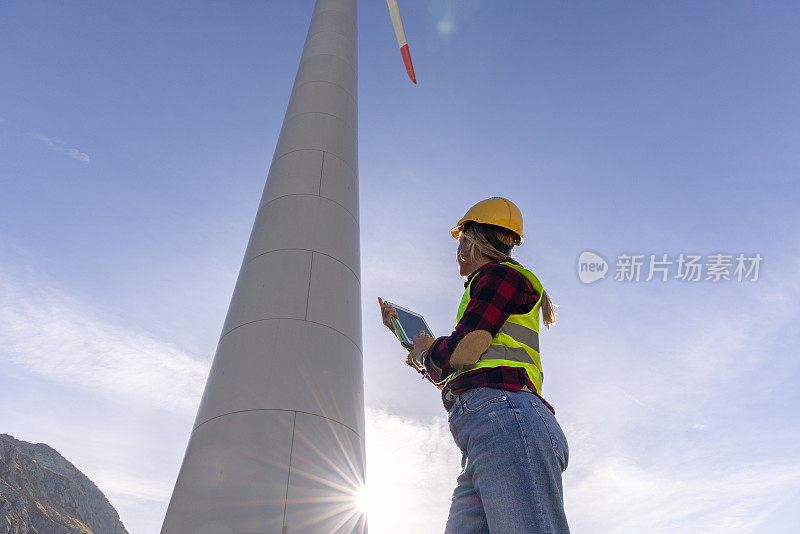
(513, 454)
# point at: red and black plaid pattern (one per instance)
(497, 292)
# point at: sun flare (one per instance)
(363, 500)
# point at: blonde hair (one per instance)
(482, 236)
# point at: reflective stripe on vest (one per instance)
(517, 342)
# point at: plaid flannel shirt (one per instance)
(497, 292)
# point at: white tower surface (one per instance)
(278, 443)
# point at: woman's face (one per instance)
(462, 256)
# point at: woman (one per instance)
(489, 370)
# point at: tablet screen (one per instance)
(412, 323)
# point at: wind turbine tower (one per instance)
(278, 442)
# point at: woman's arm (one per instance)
(470, 348)
(497, 292)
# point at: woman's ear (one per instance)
(472, 252)
(475, 254)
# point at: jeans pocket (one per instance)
(557, 438)
(467, 395)
(482, 399)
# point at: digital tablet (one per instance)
(407, 325)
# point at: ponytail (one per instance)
(548, 310)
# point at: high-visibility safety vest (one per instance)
(517, 342)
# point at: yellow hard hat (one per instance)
(497, 211)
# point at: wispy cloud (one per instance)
(622, 495)
(60, 146)
(53, 335)
(119, 486)
(668, 440)
(411, 465)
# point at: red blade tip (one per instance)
(407, 60)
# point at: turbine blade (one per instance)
(399, 31)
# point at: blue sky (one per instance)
(135, 139)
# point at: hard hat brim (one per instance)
(456, 233)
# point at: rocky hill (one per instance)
(42, 493)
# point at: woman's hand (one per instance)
(422, 342)
(387, 312)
